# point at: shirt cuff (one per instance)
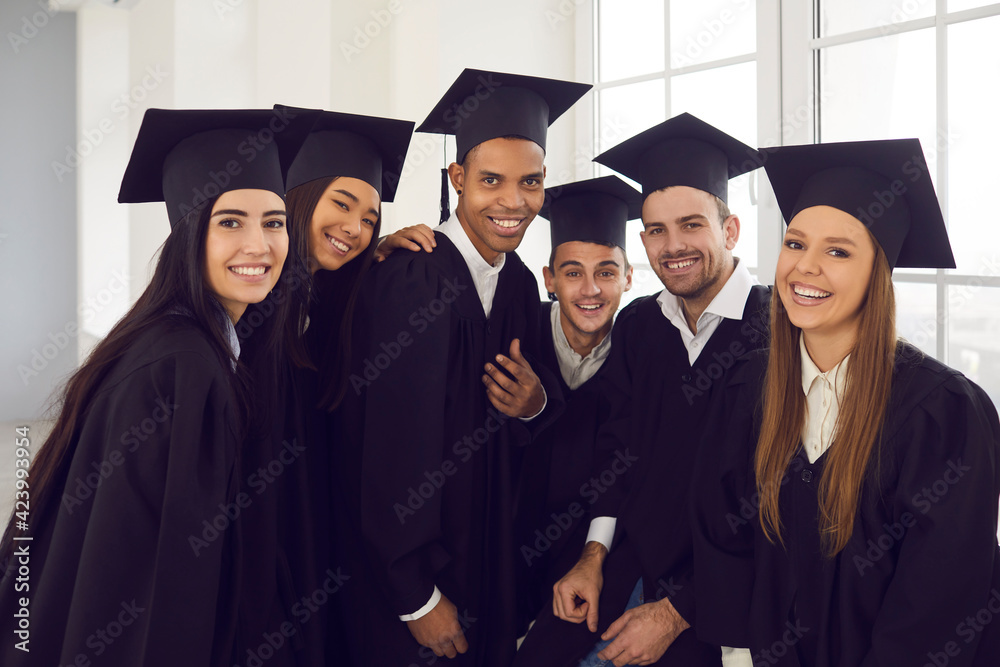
(602, 529)
(545, 402)
(736, 657)
(426, 609)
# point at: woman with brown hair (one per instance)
(856, 519)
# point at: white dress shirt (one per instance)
(728, 303)
(575, 369)
(485, 276)
(823, 394)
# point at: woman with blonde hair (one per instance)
(848, 514)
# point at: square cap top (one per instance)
(185, 157)
(593, 211)
(683, 150)
(368, 148)
(884, 184)
(483, 105)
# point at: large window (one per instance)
(831, 70)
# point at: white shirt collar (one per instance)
(810, 371)
(728, 303)
(484, 275)
(575, 369)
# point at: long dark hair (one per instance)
(328, 299)
(178, 285)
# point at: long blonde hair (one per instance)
(859, 423)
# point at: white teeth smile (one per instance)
(339, 245)
(248, 270)
(682, 264)
(506, 224)
(589, 306)
(811, 293)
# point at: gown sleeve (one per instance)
(724, 514)
(947, 494)
(403, 427)
(148, 563)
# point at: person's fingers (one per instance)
(498, 376)
(515, 352)
(461, 645)
(592, 616)
(518, 370)
(449, 648)
(615, 628)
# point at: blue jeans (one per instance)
(591, 660)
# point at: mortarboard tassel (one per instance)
(445, 204)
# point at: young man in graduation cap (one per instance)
(587, 274)
(449, 394)
(669, 349)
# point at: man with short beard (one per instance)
(633, 581)
(447, 393)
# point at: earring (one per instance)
(458, 191)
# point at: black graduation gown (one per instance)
(919, 581)
(553, 513)
(136, 562)
(439, 464)
(646, 457)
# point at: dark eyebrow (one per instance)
(230, 211)
(829, 239)
(349, 195)
(609, 262)
(536, 175)
(373, 212)
(274, 212)
(489, 174)
(570, 262)
(693, 216)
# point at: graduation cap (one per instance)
(186, 157)
(368, 148)
(885, 184)
(483, 105)
(594, 211)
(683, 150)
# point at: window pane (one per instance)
(974, 335)
(711, 30)
(973, 144)
(700, 94)
(916, 315)
(628, 110)
(630, 33)
(839, 16)
(894, 100)
(959, 5)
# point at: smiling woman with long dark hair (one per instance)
(134, 537)
(876, 469)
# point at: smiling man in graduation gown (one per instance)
(587, 274)
(444, 426)
(669, 350)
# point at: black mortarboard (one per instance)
(594, 210)
(683, 150)
(365, 147)
(186, 157)
(885, 184)
(483, 105)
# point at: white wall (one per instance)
(382, 57)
